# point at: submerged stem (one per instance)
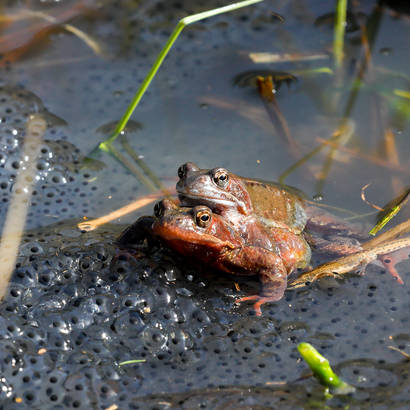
(340, 25)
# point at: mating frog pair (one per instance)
(242, 226)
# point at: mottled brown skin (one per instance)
(241, 200)
(245, 202)
(206, 237)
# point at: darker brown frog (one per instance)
(200, 234)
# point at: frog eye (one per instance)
(158, 210)
(221, 177)
(203, 218)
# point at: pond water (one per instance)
(90, 307)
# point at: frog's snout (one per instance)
(186, 169)
(163, 206)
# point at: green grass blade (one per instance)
(391, 212)
(339, 33)
(105, 145)
(132, 362)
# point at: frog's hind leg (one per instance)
(389, 262)
(333, 245)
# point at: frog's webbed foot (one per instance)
(389, 262)
(260, 300)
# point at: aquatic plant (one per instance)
(322, 370)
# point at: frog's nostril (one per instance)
(186, 168)
(158, 209)
(181, 171)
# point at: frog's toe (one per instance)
(390, 265)
(246, 298)
(260, 300)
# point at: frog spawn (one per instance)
(91, 307)
(61, 190)
(77, 307)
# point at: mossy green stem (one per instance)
(339, 33)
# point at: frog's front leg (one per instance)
(136, 233)
(270, 270)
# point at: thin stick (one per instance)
(93, 44)
(346, 264)
(133, 206)
(265, 58)
(20, 200)
(364, 199)
(267, 91)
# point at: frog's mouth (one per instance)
(190, 199)
(214, 203)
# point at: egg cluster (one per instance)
(61, 189)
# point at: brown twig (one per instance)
(267, 91)
(363, 196)
(133, 206)
(402, 352)
(21, 39)
(349, 263)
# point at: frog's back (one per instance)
(277, 205)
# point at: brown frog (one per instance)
(242, 200)
(211, 239)
(245, 201)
